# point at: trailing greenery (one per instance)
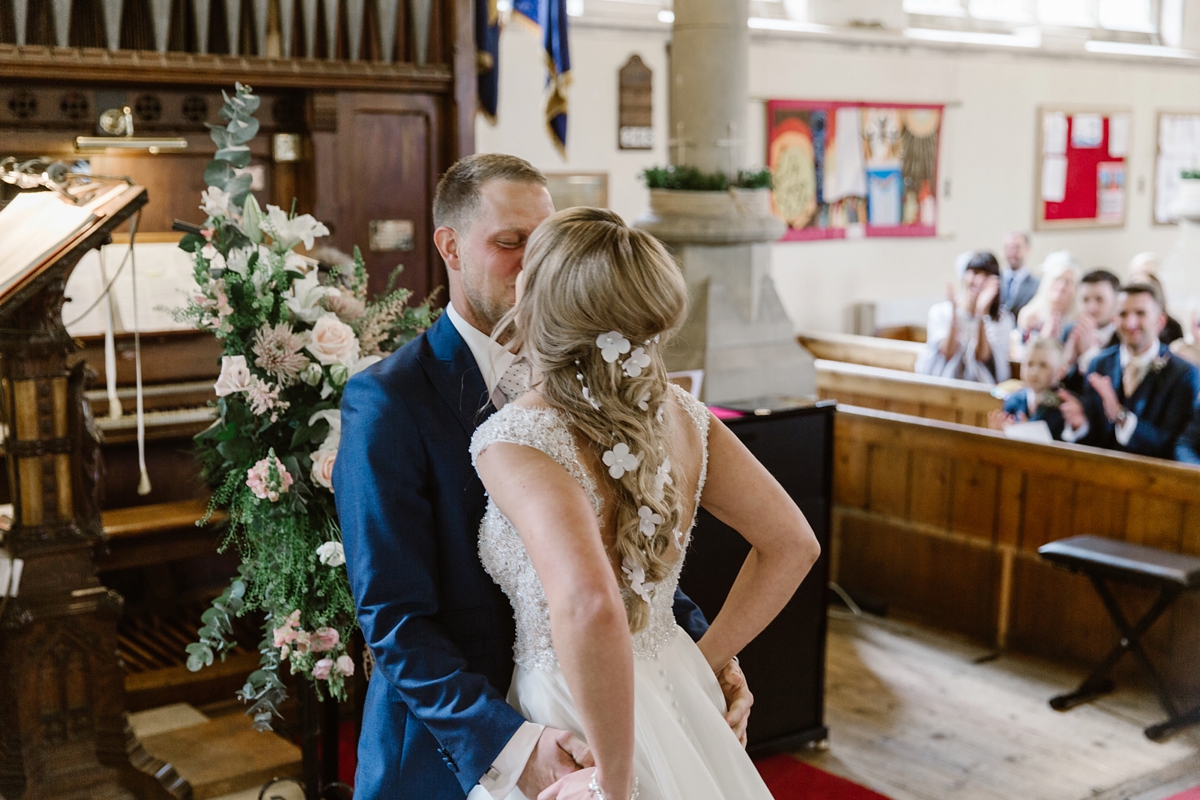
(693, 179)
(293, 334)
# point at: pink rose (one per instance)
(322, 669)
(284, 635)
(324, 639)
(344, 666)
(234, 377)
(333, 342)
(322, 467)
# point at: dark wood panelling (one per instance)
(8, 22)
(39, 23)
(86, 28)
(137, 25)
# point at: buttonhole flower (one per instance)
(638, 360)
(619, 460)
(612, 345)
(649, 521)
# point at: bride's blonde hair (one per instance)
(588, 274)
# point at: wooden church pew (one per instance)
(905, 393)
(942, 522)
(870, 351)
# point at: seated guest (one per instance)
(1138, 396)
(1187, 450)
(1043, 367)
(1054, 305)
(967, 336)
(1017, 284)
(1095, 328)
(1143, 268)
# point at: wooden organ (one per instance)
(364, 104)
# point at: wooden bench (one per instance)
(1104, 561)
(906, 393)
(869, 351)
(943, 522)
(154, 534)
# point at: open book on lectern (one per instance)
(38, 227)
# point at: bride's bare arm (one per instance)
(741, 493)
(556, 522)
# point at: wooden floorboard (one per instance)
(914, 716)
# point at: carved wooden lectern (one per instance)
(63, 732)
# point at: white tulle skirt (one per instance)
(684, 750)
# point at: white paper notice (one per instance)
(1118, 135)
(1054, 179)
(165, 280)
(1087, 131)
(1036, 431)
(1054, 134)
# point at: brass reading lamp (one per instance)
(118, 122)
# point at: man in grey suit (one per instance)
(1017, 283)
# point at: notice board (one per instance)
(1081, 180)
(847, 169)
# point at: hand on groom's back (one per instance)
(557, 754)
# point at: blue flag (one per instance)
(551, 17)
(487, 56)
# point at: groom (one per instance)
(436, 725)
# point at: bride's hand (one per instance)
(738, 698)
(575, 787)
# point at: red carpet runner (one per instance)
(790, 779)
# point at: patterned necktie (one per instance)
(512, 384)
(1134, 372)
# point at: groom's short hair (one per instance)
(456, 201)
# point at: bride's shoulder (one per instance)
(524, 422)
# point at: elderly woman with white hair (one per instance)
(1054, 306)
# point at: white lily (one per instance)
(306, 295)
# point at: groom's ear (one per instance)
(446, 241)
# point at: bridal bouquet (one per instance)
(293, 334)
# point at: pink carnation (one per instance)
(324, 639)
(322, 669)
(264, 486)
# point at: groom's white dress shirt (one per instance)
(496, 784)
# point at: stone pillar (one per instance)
(737, 330)
(710, 79)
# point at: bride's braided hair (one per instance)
(587, 274)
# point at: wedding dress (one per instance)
(684, 750)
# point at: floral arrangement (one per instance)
(293, 333)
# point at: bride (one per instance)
(594, 478)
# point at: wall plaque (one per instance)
(635, 120)
(391, 234)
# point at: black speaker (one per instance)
(785, 665)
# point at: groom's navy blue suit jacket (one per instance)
(440, 629)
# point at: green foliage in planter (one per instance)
(1190, 174)
(693, 179)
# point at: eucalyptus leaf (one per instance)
(238, 188)
(219, 134)
(238, 155)
(218, 174)
(194, 664)
(242, 128)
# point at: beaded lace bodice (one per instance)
(503, 553)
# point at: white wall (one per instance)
(987, 154)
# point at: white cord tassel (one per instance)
(144, 481)
(110, 347)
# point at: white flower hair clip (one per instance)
(637, 579)
(638, 360)
(612, 346)
(619, 460)
(644, 402)
(649, 521)
(663, 476)
(587, 395)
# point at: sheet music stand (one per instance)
(63, 731)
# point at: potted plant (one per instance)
(688, 204)
(1187, 201)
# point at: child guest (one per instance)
(1042, 369)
